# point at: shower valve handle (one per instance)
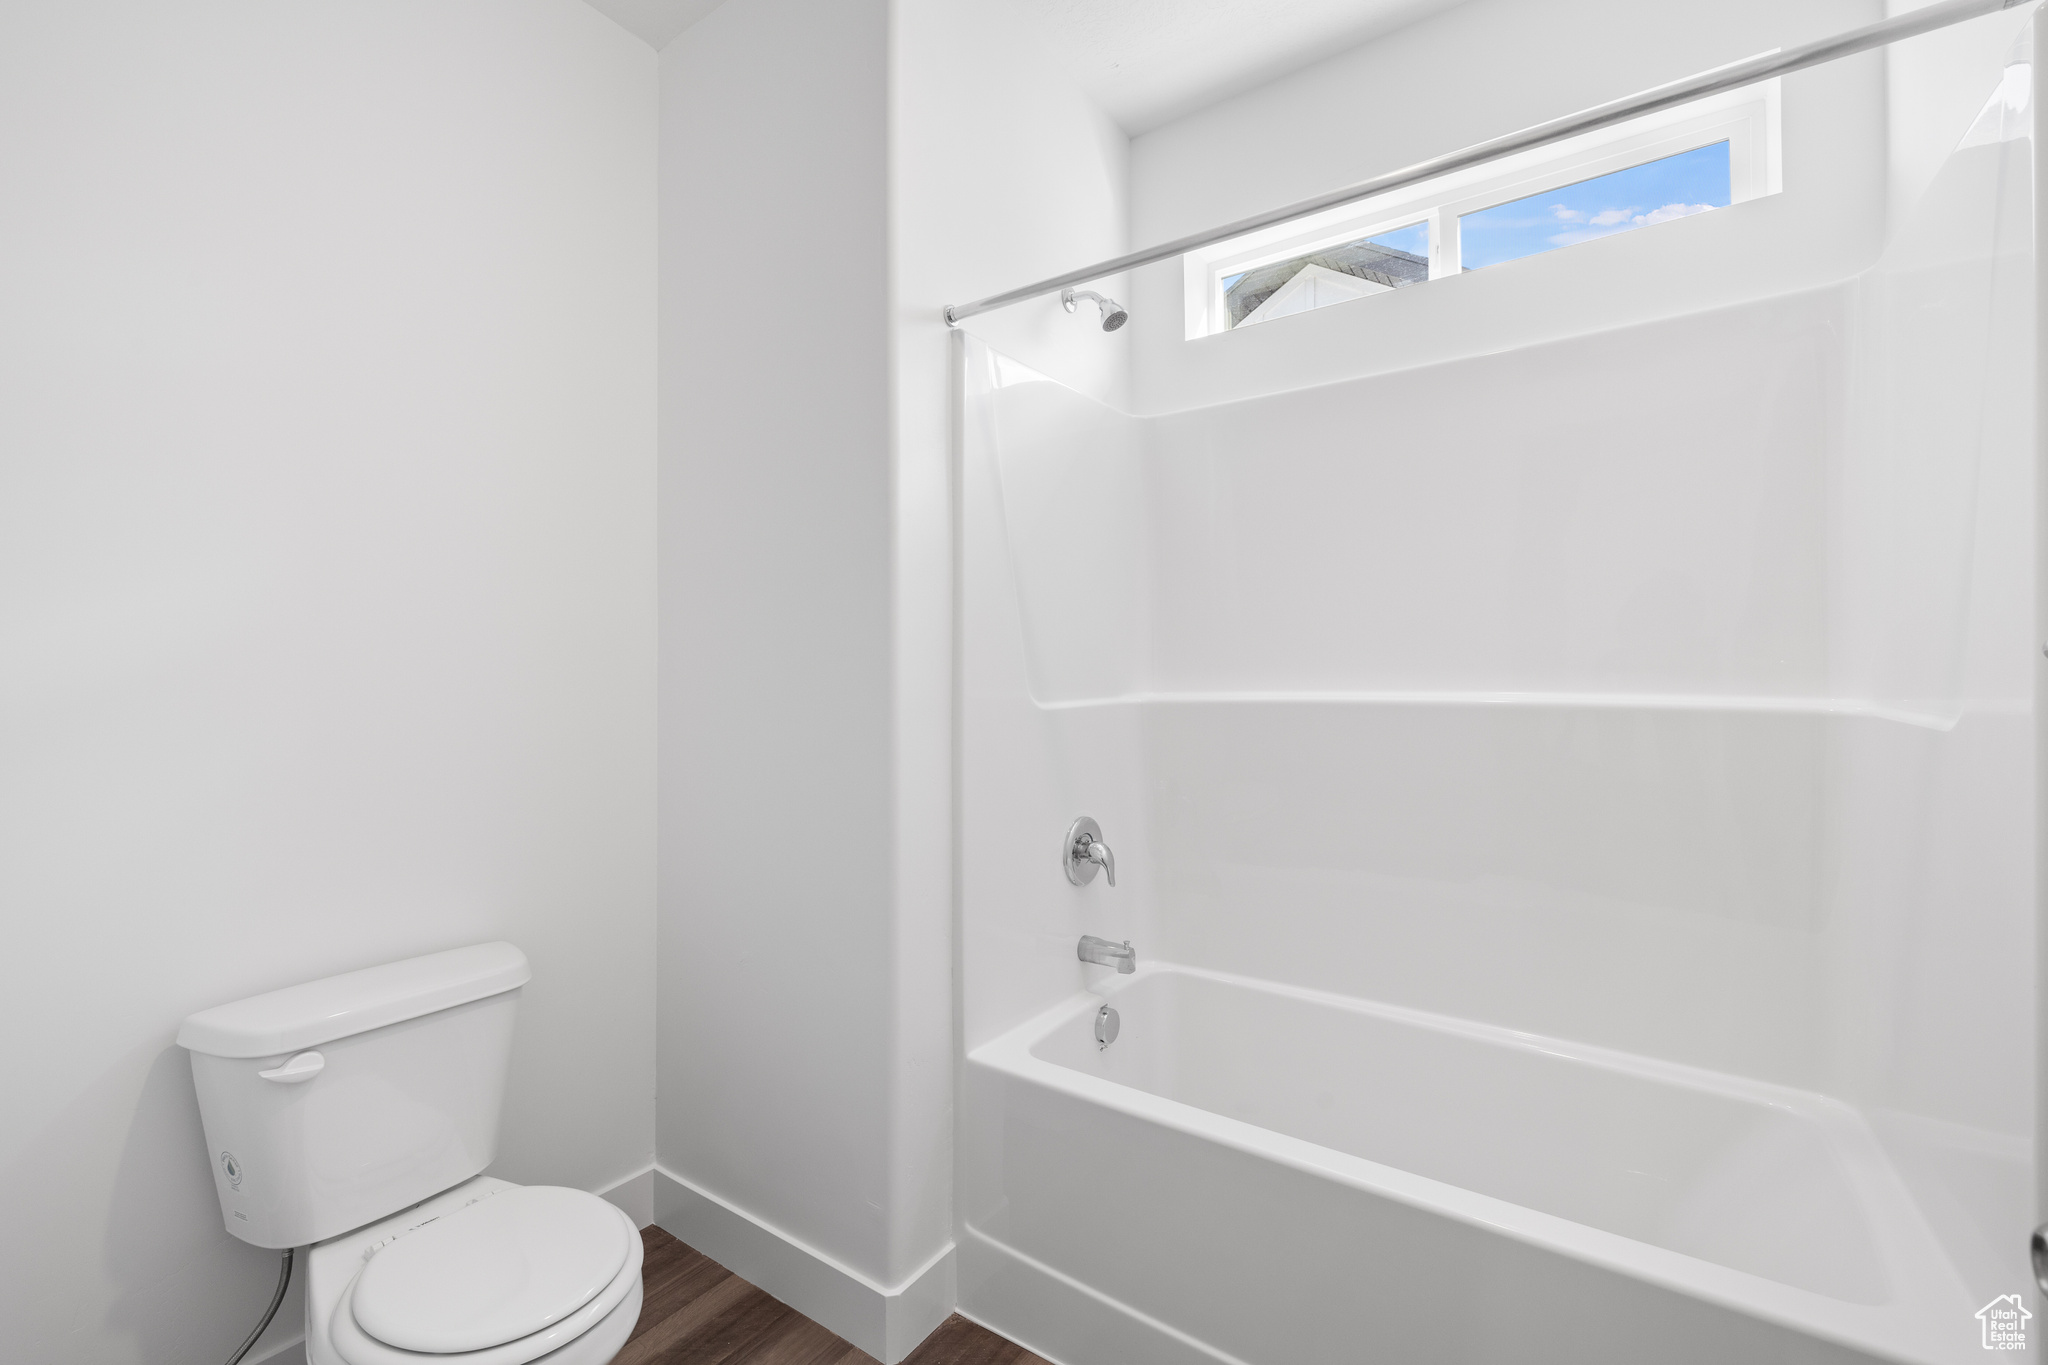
(1097, 852)
(1084, 852)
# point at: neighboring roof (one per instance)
(1380, 264)
(1313, 286)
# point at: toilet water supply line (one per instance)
(284, 1279)
(1731, 77)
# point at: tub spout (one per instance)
(1103, 953)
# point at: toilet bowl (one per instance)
(488, 1273)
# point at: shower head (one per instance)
(1114, 315)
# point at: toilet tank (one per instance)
(336, 1103)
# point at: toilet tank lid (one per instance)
(354, 1002)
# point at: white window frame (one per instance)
(1748, 120)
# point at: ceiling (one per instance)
(657, 21)
(1147, 62)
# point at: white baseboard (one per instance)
(634, 1196)
(886, 1323)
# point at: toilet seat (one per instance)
(533, 1221)
(501, 1269)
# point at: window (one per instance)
(1674, 164)
(1620, 201)
(1393, 259)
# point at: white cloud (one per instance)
(1607, 222)
(1565, 215)
(1670, 211)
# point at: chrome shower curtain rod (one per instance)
(1601, 116)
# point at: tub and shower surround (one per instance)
(1635, 725)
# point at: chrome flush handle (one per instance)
(296, 1070)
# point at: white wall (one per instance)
(832, 177)
(1004, 172)
(803, 950)
(1000, 168)
(1934, 87)
(326, 588)
(1476, 72)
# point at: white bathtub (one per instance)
(1260, 1173)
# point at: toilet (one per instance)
(354, 1116)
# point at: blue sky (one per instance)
(1413, 239)
(1675, 187)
